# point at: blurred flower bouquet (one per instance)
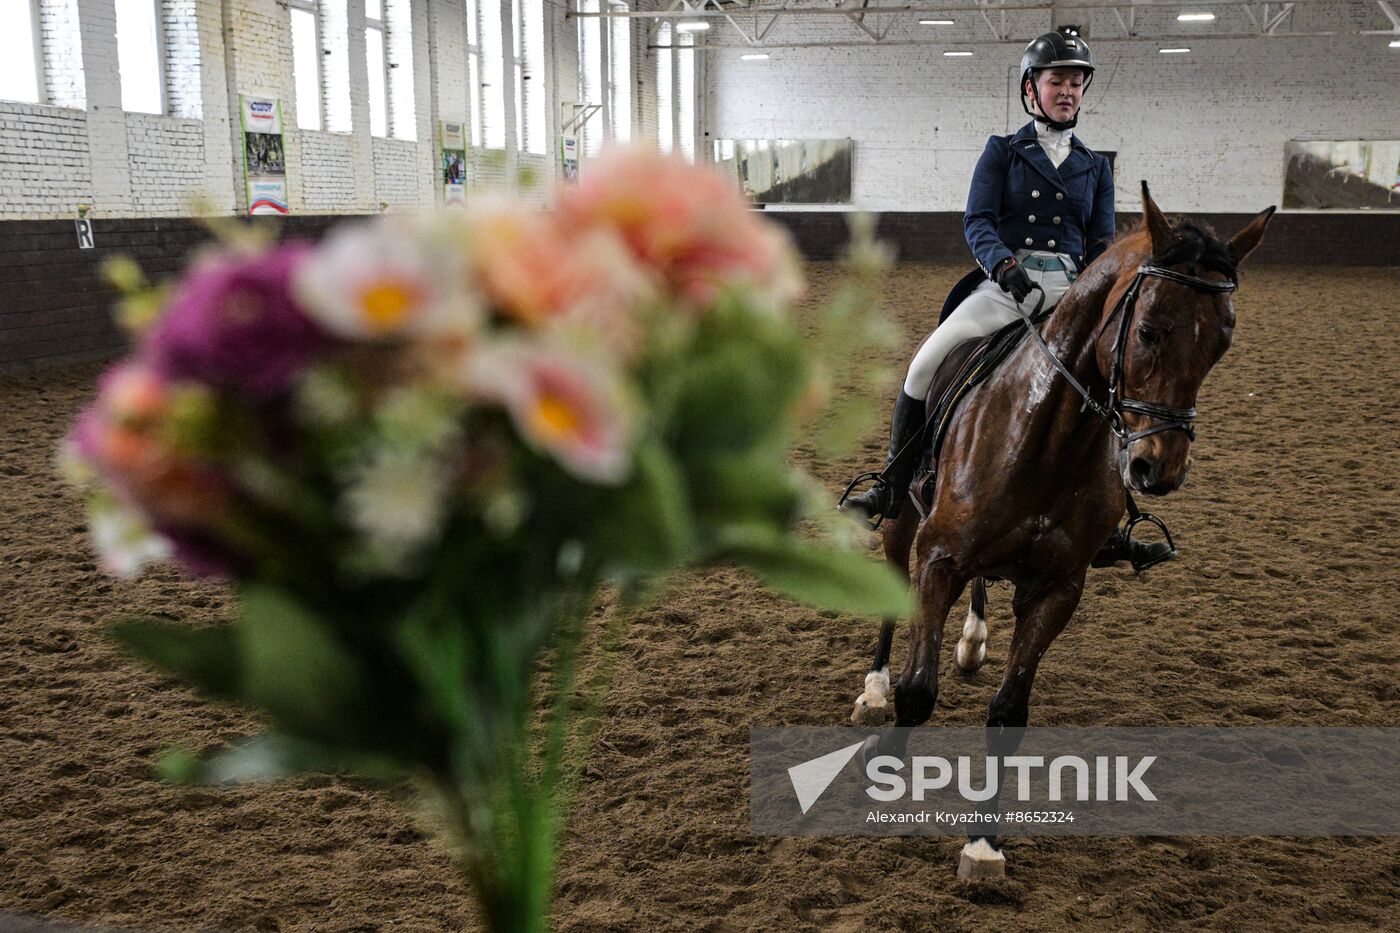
(418, 449)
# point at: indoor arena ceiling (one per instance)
(763, 24)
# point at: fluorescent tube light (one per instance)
(1195, 17)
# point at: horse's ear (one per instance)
(1247, 239)
(1158, 228)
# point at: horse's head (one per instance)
(1170, 321)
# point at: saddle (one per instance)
(968, 365)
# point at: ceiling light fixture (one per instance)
(692, 26)
(935, 22)
(1172, 51)
(1195, 17)
(956, 54)
(755, 57)
(1395, 43)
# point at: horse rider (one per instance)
(1040, 209)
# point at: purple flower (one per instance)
(232, 323)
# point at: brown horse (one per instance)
(1032, 477)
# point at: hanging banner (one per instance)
(264, 160)
(570, 156)
(454, 163)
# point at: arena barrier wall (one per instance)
(57, 307)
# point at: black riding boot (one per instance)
(1120, 547)
(887, 496)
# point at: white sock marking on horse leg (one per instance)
(972, 647)
(877, 690)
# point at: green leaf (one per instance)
(842, 581)
(295, 669)
(209, 659)
(646, 526)
(736, 386)
(735, 489)
(270, 757)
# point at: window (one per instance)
(530, 84)
(377, 67)
(590, 58)
(140, 61)
(398, 37)
(620, 72)
(517, 72)
(665, 90)
(473, 73)
(19, 51)
(685, 113)
(493, 91)
(335, 64)
(306, 63)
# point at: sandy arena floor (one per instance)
(1282, 610)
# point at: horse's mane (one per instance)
(1191, 242)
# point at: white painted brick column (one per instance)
(362, 153)
(257, 42)
(106, 123)
(221, 183)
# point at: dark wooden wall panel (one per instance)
(56, 307)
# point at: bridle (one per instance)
(1111, 411)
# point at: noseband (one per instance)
(1170, 419)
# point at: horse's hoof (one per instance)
(980, 862)
(970, 659)
(871, 749)
(867, 713)
(872, 704)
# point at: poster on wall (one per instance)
(570, 157)
(264, 160)
(454, 163)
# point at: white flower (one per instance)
(124, 541)
(394, 277)
(397, 500)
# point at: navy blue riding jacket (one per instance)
(1019, 200)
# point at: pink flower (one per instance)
(561, 404)
(125, 435)
(232, 323)
(538, 273)
(690, 225)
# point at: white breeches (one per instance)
(984, 312)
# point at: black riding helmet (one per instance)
(1054, 50)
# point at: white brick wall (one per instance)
(1206, 129)
(43, 161)
(165, 156)
(328, 173)
(81, 148)
(399, 180)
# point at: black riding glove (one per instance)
(1012, 278)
